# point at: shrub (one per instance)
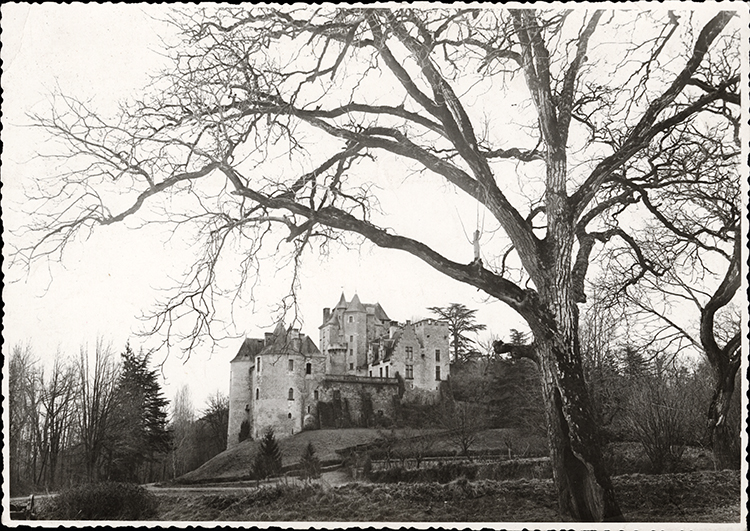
(268, 460)
(102, 501)
(656, 418)
(310, 463)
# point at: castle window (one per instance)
(351, 339)
(437, 354)
(409, 353)
(257, 394)
(291, 365)
(370, 373)
(257, 363)
(351, 366)
(289, 415)
(309, 409)
(315, 394)
(386, 372)
(351, 352)
(437, 373)
(291, 394)
(381, 372)
(351, 319)
(410, 371)
(308, 368)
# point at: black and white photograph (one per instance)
(421, 265)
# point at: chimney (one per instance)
(326, 315)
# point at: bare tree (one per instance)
(21, 404)
(253, 87)
(56, 409)
(96, 404)
(216, 417)
(183, 432)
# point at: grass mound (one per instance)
(102, 501)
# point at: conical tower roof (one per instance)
(356, 305)
(342, 302)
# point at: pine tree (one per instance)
(140, 432)
(461, 321)
(310, 463)
(268, 460)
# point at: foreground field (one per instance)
(689, 497)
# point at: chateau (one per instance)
(366, 365)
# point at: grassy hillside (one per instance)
(236, 462)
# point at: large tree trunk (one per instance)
(584, 489)
(723, 437)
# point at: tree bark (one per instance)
(724, 439)
(584, 489)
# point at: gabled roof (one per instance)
(377, 311)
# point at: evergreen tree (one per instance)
(140, 433)
(461, 321)
(268, 460)
(310, 463)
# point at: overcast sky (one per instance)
(104, 53)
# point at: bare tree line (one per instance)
(69, 422)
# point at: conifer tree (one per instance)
(140, 432)
(268, 460)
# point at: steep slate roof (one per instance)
(250, 348)
(342, 302)
(377, 310)
(355, 305)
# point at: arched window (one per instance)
(291, 394)
(289, 415)
(257, 394)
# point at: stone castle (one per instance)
(366, 365)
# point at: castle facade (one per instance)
(366, 364)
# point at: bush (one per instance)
(657, 419)
(102, 501)
(310, 463)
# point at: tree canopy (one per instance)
(277, 127)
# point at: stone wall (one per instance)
(240, 397)
(355, 401)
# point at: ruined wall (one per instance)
(355, 401)
(433, 336)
